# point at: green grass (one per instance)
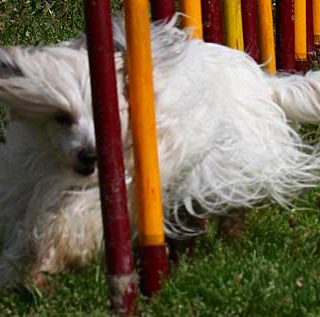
(273, 271)
(41, 22)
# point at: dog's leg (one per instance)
(15, 258)
(186, 246)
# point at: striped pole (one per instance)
(162, 9)
(316, 22)
(285, 35)
(152, 249)
(193, 20)
(300, 33)
(120, 272)
(233, 34)
(212, 21)
(250, 28)
(310, 31)
(267, 48)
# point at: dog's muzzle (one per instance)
(86, 162)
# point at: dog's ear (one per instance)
(29, 84)
(9, 70)
(78, 43)
(8, 66)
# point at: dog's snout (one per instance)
(87, 157)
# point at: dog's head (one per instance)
(50, 87)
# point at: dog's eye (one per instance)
(64, 118)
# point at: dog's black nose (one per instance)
(87, 157)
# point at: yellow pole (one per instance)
(233, 24)
(316, 21)
(300, 29)
(192, 8)
(143, 122)
(267, 48)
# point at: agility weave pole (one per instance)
(300, 34)
(120, 269)
(310, 31)
(267, 47)
(285, 35)
(152, 247)
(193, 20)
(233, 32)
(316, 22)
(249, 11)
(212, 21)
(162, 9)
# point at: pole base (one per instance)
(303, 65)
(154, 267)
(123, 293)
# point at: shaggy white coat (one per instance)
(223, 136)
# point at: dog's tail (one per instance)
(298, 96)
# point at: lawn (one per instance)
(273, 271)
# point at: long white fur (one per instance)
(223, 137)
(298, 96)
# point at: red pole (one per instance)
(212, 21)
(250, 28)
(120, 272)
(310, 31)
(285, 35)
(162, 9)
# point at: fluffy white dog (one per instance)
(223, 136)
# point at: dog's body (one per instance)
(223, 137)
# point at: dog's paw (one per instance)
(39, 282)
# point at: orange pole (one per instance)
(267, 47)
(300, 33)
(300, 29)
(154, 263)
(316, 22)
(143, 122)
(192, 8)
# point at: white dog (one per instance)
(223, 137)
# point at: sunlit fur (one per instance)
(223, 137)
